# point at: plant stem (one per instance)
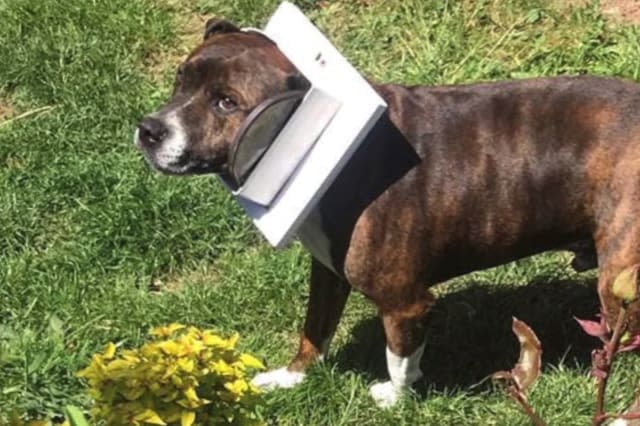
(607, 416)
(611, 347)
(517, 396)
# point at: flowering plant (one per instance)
(183, 375)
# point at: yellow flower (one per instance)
(192, 397)
(251, 361)
(183, 376)
(186, 364)
(210, 339)
(170, 347)
(237, 387)
(149, 416)
(167, 330)
(109, 351)
(222, 368)
(187, 418)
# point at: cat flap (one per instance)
(290, 148)
(258, 132)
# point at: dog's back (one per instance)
(505, 170)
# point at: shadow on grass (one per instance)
(469, 333)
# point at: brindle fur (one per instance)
(453, 179)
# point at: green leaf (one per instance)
(75, 416)
(533, 16)
(149, 416)
(56, 326)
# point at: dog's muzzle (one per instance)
(151, 131)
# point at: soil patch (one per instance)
(626, 10)
(190, 29)
(622, 10)
(7, 109)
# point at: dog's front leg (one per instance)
(327, 298)
(404, 328)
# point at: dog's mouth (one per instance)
(164, 143)
(186, 166)
(173, 158)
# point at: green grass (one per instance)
(95, 247)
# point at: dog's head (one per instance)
(216, 88)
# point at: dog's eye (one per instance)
(226, 104)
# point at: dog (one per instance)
(453, 179)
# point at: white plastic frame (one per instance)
(360, 107)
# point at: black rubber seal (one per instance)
(257, 133)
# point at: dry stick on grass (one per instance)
(517, 396)
(526, 371)
(27, 114)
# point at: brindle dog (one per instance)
(454, 179)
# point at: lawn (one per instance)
(95, 247)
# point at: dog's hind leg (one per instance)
(327, 297)
(405, 330)
(618, 246)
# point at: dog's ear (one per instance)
(218, 26)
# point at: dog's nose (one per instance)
(152, 131)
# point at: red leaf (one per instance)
(595, 329)
(630, 345)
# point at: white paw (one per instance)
(619, 422)
(385, 394)
(275, 379)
